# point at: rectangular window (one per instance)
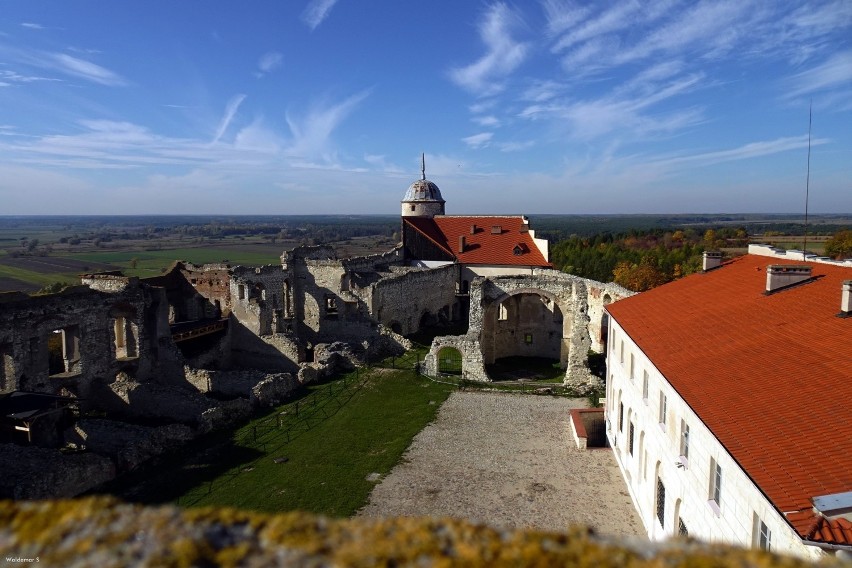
(715, 482)
(661, 502)
(528, 338)
(330, 305)
(645, 386)
(620, 416)
(630, 438)
(762, 535)
(663, 410)
(621, 351)
(632, 360)
(684, 439)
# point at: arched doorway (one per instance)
(449, 361)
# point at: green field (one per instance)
(348, 432)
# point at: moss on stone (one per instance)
(106, 532)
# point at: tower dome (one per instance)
(423, 198)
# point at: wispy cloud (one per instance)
(503, 53)
(478, 140)
(516, 146)
(87, 70)
(316, 12)
(230, 110)
(269, 61)
(312, 132)
(11, 77)
(489, 121)
(32, 26)
(833, 73)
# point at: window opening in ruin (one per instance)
(260, 290)
(241, 291)
(63, 349)
(125, 337)
(661, 502)
(288, 309)
(449, 361)
(528, 338)
(502, 312)
(465, 287)
(6, 367)
(330, 305)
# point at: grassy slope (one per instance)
(328, 458)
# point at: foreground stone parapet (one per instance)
(105, 532)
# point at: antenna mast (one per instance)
(423, 165)
(807, 182)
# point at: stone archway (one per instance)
(449, 361)
(526, 325)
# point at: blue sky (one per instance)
(324, 106)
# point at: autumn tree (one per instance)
(839, 246)
(638, 277)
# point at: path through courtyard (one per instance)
(507, 460)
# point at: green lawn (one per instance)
(330, 447)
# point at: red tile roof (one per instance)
(770, 376)
(484, 246)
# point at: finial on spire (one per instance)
(423, 165)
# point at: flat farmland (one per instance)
(54, 265)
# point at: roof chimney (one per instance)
(846, 299)
(473, 229)
(496, 230)
(712, 259)
(780, 276)
(461, 244)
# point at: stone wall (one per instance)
(547, 314)
(401, 301)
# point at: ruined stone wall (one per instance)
(400, 302)
(211, 284)
(76, 341)
(553, 308)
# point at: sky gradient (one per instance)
(324, 106)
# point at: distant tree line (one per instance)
(640, 260)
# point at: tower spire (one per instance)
(423, 165)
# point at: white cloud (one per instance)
(835, 72)
(87, 70)
(32, 26)
(516, 146)
(562, 15)
(489, 121)
(478, 140)
(230, 110)
(316, 12)
(269, 61)
(503, 53)
(312, 132)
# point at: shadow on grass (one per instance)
(532, 369)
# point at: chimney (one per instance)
(473, 229)
(712, 259)
(846, 299)
(461, 243)
(780, 276)
(496, 229)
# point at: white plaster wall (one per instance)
(740, 497)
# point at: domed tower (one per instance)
(423, 198)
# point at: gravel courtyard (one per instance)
(507, 460)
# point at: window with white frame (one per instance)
(684, 439)
(645, 386)
(621, 351)
(715, 482)
(663, 410)
(632, 361)
(762, 535)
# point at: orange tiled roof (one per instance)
(483, 246)
(770, 376)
